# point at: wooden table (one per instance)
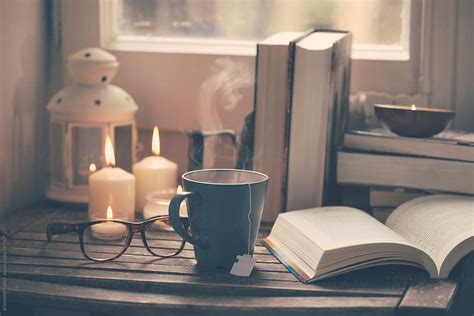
(56, 275)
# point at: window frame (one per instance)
(409, 80)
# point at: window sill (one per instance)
(234, 48)
(182, 46)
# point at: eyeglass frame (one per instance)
(132, 228)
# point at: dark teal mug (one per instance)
(224, 208)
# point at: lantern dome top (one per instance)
(92, 66)
(92, 55)
(93, 103)
(91, 98)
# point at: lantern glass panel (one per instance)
(86, 150)
(57, 154)
(123, 146)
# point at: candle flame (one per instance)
(179, 189)
(109, 152)
(413, 107)
(92, 167)
(110, 214)
(155, 143)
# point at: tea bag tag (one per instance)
(245, 263)
(243, 266)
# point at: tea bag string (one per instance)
(248, 216)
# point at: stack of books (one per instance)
(398, 169)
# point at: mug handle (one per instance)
(178, 224)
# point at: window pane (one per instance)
(381, 22)
(57, 154)
(123, 146)
(86, 150)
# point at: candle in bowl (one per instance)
(413, 121)
(109, 230)
(158, 203)
(112, 186)
(154, 173)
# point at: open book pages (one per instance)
(440, 225)
(321, 242)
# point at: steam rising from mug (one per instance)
(220, 94)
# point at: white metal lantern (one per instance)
(81, 116)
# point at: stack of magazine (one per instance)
(398, 169)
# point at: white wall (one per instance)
(23, 94)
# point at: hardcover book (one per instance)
(301, 100)
(405, 171)
(454, 145)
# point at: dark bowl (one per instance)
(422, 122)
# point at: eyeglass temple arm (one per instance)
(60, 228)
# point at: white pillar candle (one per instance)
(153, 173)
(109, 230)
(112, 187)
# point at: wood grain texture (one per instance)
(55, 274)
(433, 296)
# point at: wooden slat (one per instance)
(357, 285)
(41, 227)
(142, 267)
(125, 303)
(426, 294)
(127, 258)
(73, 238)
(133, 250)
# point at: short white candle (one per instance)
(109, 230)
(154, 173)
(113, 187)
(159, 201)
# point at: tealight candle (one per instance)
(154, 173)
(109, 230)
(112, 186)
(159, 201)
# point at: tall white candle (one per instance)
(112, 187)
(154, 173)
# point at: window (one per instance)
(168, 75)
(376, 24)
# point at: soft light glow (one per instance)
(179, 189)
(155, 142)
(413, 107)
(92, 167)
(110, 214)
(109, 152)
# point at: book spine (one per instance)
(287, 128)
(406, 172)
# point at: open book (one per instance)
(432, 232)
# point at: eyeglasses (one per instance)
(106, 240)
